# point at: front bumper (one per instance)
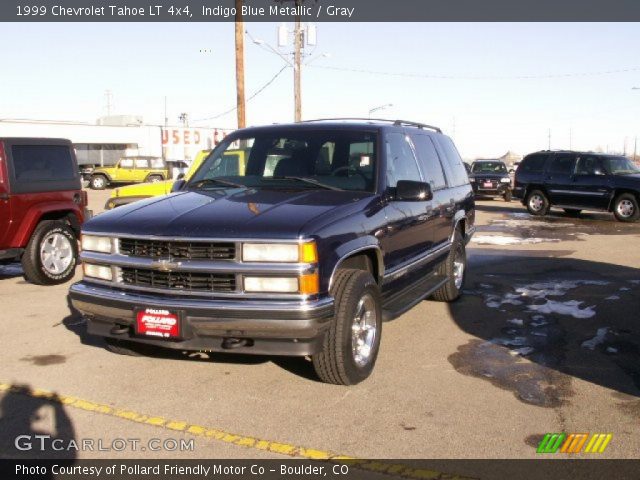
(270, 327)
(499, 189)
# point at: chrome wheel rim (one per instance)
(98, 182)
(364, 331)
(458, 269)
(536, 203)
(626, 208)
(56, 253)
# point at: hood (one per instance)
(226, 213)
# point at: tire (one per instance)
(51, 254)
(455, 269)
(154, 178)
(537, 203)
(507, 196)
(572, 212)
(625, 208)
(355, 291)
(98, 182)
(124, 347)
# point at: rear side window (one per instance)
(401, 164)
(429, 161)
(33, 163)
(563, 164)
(457, 174)
(533, 164)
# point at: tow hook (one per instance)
(119, 329)
(231, 343)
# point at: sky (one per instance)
(470, 79)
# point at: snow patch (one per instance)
(613, 297)
(597, 340)
(572, 308)
(506, 240)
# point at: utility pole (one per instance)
(549, 136)
(242, 121)
(297, 74)
(166, 119)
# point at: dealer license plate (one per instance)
(158, 322)
(487, 185)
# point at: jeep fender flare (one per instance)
(35, 214)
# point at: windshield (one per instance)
(488, 167)
(621, 166)
(301, 159)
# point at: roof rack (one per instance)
(366, 119)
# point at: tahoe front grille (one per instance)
(183, 281)
(178, 249)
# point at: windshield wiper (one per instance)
(310, 181)
(228, 183)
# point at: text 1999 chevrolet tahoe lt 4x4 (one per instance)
(332, 227)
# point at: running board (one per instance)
(405, 300)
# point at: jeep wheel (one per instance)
(154, 178)
(98, 182)
(625, 208)
(537, 203)
(455, 269)
(572, 212)
(351, 345)
(51, 254)
(507, 196)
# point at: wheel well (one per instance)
(64, 215)
(154, 175)
(102, 174)
(534, 187)
(620, 191)
(366, 260)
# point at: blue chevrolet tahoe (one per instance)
(327, 229)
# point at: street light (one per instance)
(381, 107)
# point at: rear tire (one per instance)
(98, 182)
(625, 208)
(572, 212)
(537, 203)
(350, 347)
(455, 269)
(51, 254)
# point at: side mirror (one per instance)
(411, 191)
(178, 185)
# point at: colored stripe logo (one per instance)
(574, 443)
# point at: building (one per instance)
(117, 136)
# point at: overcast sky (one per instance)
(61, 71)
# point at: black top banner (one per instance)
(321, 10)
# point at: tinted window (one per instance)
(489, 167)
(42, 163)
(429, 161)
(589, 166)
(457, 171)
(401, 164)
(563, 164)
(533, 164)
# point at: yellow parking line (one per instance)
(399, 470)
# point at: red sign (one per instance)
(181, 136)
(157, 322)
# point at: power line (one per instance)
(477, 77)
(255, 94)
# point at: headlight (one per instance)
(280, 252)
(101, 272)
(505, 180)
(472, 180)
(93, 243)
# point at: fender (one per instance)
(457, 218)
(357, 245)
(35, 213)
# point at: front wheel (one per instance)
(455, 269)
(98, 182)
(625, 208)
(51, 254)
(507, 196)
(537, 203)
(350, 347)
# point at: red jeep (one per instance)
(42, 206)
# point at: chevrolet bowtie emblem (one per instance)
(165, 265)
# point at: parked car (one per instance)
(490, 178)
(332, 227)
(576, 181)
(42, 206)
(233, 162)
(130, 170)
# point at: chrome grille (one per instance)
(187, 250)
(182, 281)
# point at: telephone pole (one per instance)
(240, 65)
(297, 73)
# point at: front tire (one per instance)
(455, 269)
(507, 196)
(625, 208)
(537, 203)
(98, 182)
(350, 347)
(51, 254)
